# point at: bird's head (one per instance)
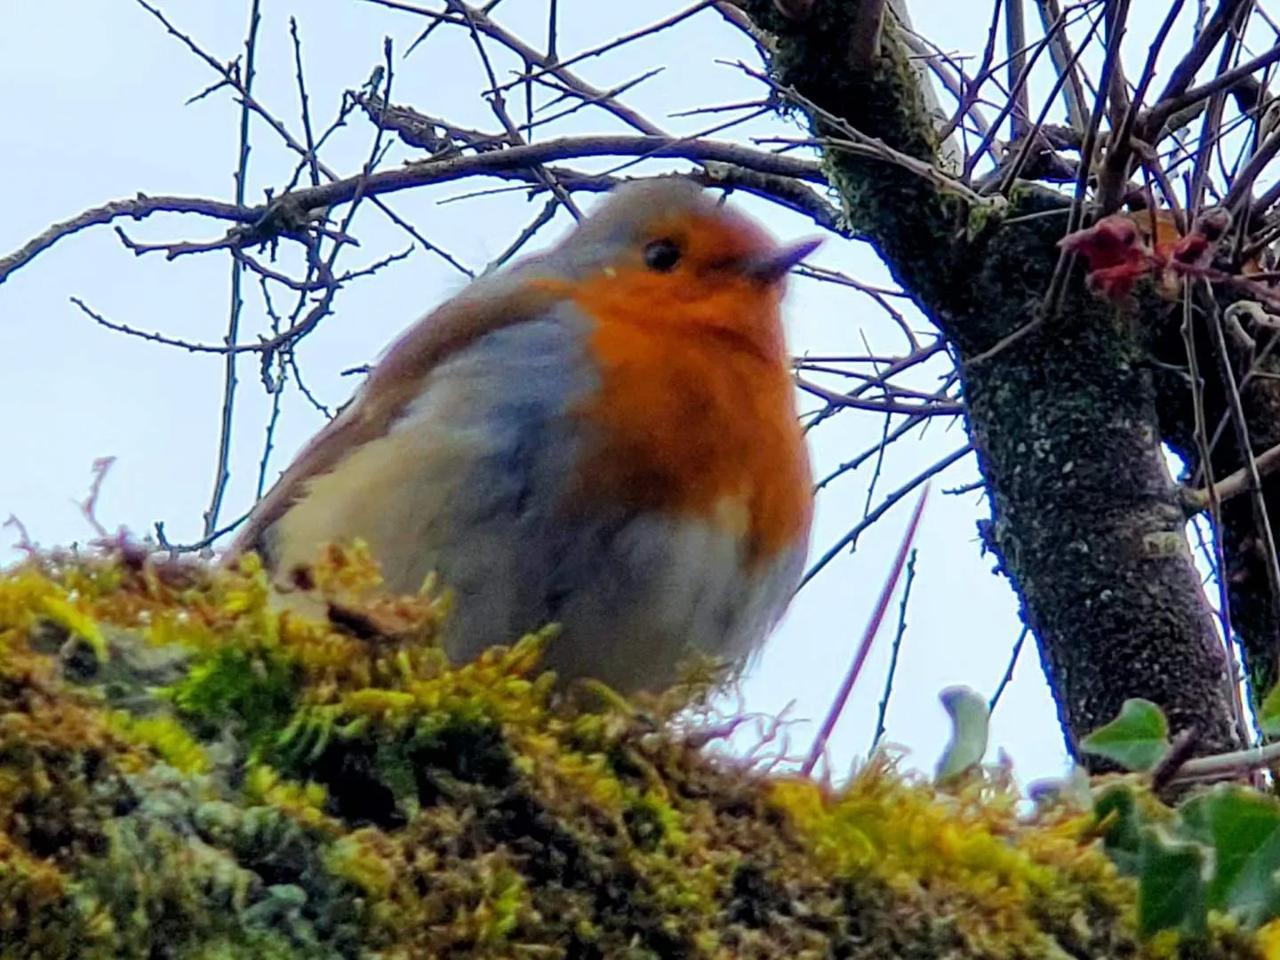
(668, 245)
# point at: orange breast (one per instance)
(696, 412)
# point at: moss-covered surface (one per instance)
(188, 773)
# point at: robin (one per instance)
(603, 436)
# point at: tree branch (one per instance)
(293, 210)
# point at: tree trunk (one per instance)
(1086, 521)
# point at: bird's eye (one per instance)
(662, 255)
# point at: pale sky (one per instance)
(93, 96)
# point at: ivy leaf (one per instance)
(1137, 739)
(1117, 811)
(969, 722)
(1243, 828)
(1171, 884)
(1269, 713)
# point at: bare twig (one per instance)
(89, 506)
(852, 464)
(1065, 63)
(1014, 654)
(894, 651)
(229, 78)
(1016, 105)
(1242, 184)
(1181, 750)
(1213, 502)
(284, 214)
(1015, 26)
(137, 208)
(555, 63)
(850, 538)
(498, 105)
(545, 216)
(1239, 421)
(24, 542)
(1238, 482)
(230, 382)
(1117, 17)
(310, 160)
(1227, 766)
(932, 408)
(1184, 73)
(469, 16)
(196, 546)
(869, 634)
(1160, 112)
(1114, 175)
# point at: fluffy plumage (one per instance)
(586, 439)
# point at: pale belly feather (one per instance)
(479, 468)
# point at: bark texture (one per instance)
(1253, 355)
(1086, 520)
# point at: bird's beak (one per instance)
(773, 266)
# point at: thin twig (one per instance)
(1238, 482)
(1160, 112)
(1034, 139)
(1240, 422)
(89, 506)
(473, 17)
(1180, 750)
(869, 634)
(894, 651)
(1226, 766)
(229, 78)
(1065, 63)
(935, 408)
(1119, 159)
(850, 538)
(1212, 122)
(555, 64)
(1015, 26)
(1213, 502)
(1057, 282)
(1184, 73)
(230, 382)
(283, 213)
(310, 160)
(545, 216)
(1014, 654)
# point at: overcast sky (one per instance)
(93, 98)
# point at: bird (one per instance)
(602, 436)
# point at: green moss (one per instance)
(251, 690)
(166, 736)
(334, 789)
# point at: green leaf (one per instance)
(969, 722)
(1243, 828)
(1171, 884)
(1137, 739)
(1117, 807)
(1269, 713)
(1219, 851)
